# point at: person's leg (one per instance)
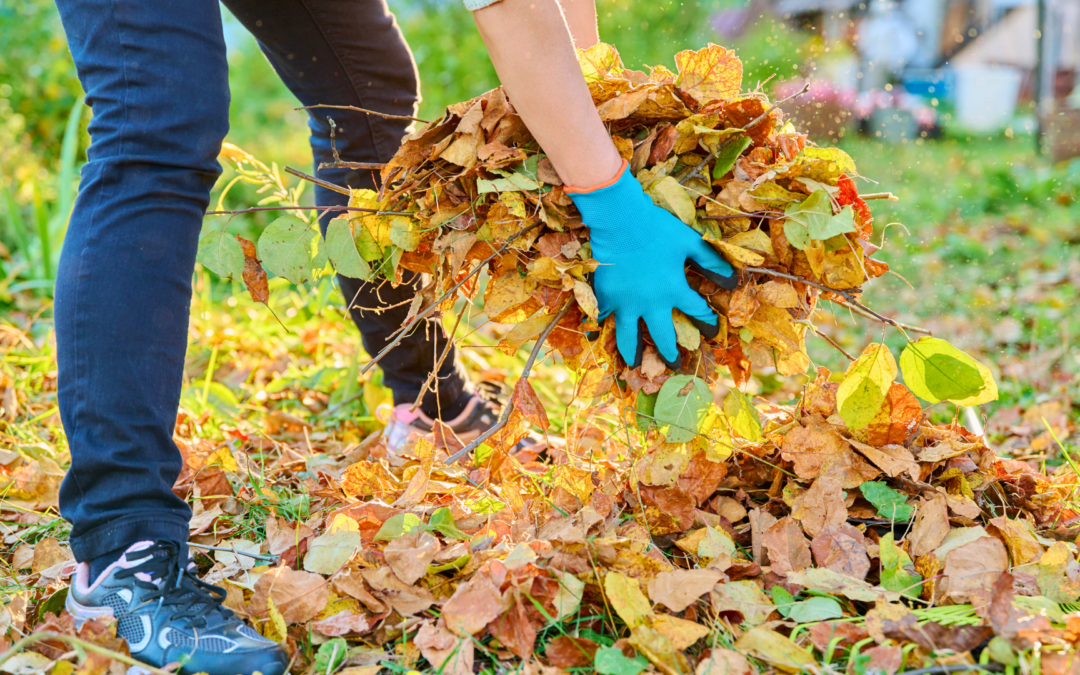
(156, 77)
(351, 52)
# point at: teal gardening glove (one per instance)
(643, 250)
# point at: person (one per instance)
(156, 76)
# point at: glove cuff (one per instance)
(573, 190)
(612, 211)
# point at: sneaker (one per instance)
(402, 423)
(167, 615)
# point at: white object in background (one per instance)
(985, 96)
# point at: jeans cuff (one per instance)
(123, 532)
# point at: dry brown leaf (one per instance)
(476, 603)
(787, 546)
(842, 549)
(410, 555)
(931, 526)
(679, 589)
(450, 654)
(299, 596)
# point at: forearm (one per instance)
(533, 53)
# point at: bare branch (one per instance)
(366, 111)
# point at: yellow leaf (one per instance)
(223, 458)
(681, 632)
(755, 239)
(773, 648)
(275, 629)
(686, 333)
(737, 255)
(598, 61)
(710, 74)
(866, 383)
(626, 597)
(577, 482)
(344, 523)
(668, 194)
(586, 299)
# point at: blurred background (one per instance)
(967, 110)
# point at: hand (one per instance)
(643, 250)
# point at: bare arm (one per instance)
(532, 50)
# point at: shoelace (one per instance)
(188, 598)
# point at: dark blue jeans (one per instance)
(156, 77)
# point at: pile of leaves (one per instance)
(667, 532)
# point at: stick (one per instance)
(400, 334)
(833, 343)
(505, 417)
(712, 155)
(256, 556)
(318, 181)
(844, 294)
(365, 110)
(758, 214)
(954, 668)
(880, 195)
(342, 164)
(309, 208)
(78, 642)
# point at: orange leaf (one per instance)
(710, 74)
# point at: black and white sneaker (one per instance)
(167, 615)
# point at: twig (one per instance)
(844, 294)
(318, 181)
(833, 343)
(879, 195)
(78, 642)
(256, 556)
(719, 148)
(954, 668)
(342, 164)
(401, 332)
(913, 329)
(365, 110)
(309, 208)
(505, 416)
(757, 214)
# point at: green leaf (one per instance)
(610, 661)
(816, 214)
(366, 244)
(815, 609)
(291, 248)
(743, 416)
(402, 233)
(865, 386)
(221, 253)
(682, 413)
(783, 599)
(331, 655)
(797, 234)
(897, 572)
(443, 522)
(342, 249)
(668, 194)
(728, 155)
(397, 526)
(484, 505)
(646, 407)
(936, 371)
(890, 504)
